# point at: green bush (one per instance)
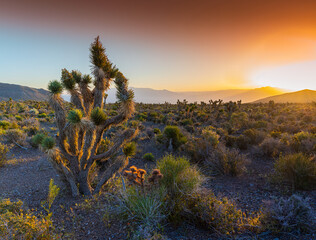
(42, 115)
(174, 134)
(130, 149)
(297, 169)
(4, 124)
(157, 131)
(179, 177)
(149, 157)
(48, 143)
(37, 139)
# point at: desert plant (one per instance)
(37, 139)
(219, 215)
(129, 149)
(179, 176)
(81, 132)
(296, 169)
(15, 136)
(17, 223)
(174, 136)
(149, 157)
(3, 154)
(288, 214)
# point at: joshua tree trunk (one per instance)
(81, 132)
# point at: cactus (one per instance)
(81, 130)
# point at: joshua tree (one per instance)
(81, 130)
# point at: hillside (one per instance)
(303, 96)
(18, 92)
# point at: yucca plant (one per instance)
(81, 130)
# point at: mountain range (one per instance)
(148, 95)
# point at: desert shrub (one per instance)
(270, 147)
(210, 136)
(4, 124)
(230, 140)
(14, 125)
(219, 215)
(37, 139)
(130, 149)
(30, 125)
(239, 120)
(33, 112)
(180, 177)
(48, 143)
(15, 136)
(288, 215)
(303, 142)
(144, 209)
(307, 118)
(242, 142)
(17, 223)
(42, 115)
(149, 157)
(18, 118)
(3, 154)
(174, 134)
(275, 134)
(157, 131)
(260, 124)
(226, 161)
(187, 122)
(255, 136)
(297, 169)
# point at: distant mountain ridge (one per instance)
(18, 92)
(148, 95)
(303, 96)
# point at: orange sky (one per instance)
(224, 40)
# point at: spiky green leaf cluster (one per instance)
(67, 79)
(123, 94)
(74, 116)
(48, 143)
(55, 87)
(76, 75)
(98, 116)
(87, 79)
(99, 59)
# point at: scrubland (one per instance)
(196, 171)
